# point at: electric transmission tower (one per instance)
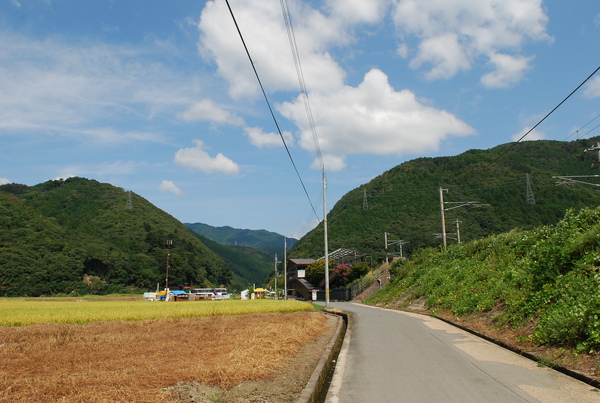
(530, 198)
(365, 204)
(129, 205)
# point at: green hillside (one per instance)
(249, 266)
(263, 240)
(55, 233)
(405, 201)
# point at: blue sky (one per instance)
(158, 97)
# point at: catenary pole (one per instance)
(285, 292)
(443, 216)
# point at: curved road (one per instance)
(394, 356)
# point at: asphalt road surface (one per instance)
(393, 356)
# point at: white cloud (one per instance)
(331, 162)
(4, 181)
(357, 11)
(168, 186)
(373, 118)
(51, 86)
(592, 90)
(534, 135)
(509, 70)
(453, 34)
(262, 26)
(198, 158)
(261, 139)
(208, 111)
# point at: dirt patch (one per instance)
(252, 358)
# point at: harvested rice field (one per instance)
(212, 358)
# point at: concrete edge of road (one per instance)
(314, 388)
(573, 374)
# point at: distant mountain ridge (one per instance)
(258, 239)
(515, 182)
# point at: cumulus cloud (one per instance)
(453, 34)
(265, 35)
(261, 139)
(331, 163)
(534, 135)
(197, 158)
(357, 11)
(373, 118)
(207, 110)
(592, 90)
(508, 70)
(168, 186)
(4, 181)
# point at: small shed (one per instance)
(259, 293)
(178, 295)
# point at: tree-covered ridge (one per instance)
(249, 265)
(405, 201)
(55, 233)
(258, 239)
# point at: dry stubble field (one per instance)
(141, 361)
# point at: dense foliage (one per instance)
(548, 276)
(405, 201)
(263, 240)
(78, 236)
(249, 265)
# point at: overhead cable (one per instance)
(540, 122)
(577, 131)
(269, 105)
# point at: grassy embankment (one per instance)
(546, 279)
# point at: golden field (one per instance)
(132, 351)
(16, 312)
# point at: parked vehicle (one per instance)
(210, 293)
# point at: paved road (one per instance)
(393, 356)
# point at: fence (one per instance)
(349, 293)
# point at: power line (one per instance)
(296, 56)
(577, 131)
(269, 106)
(540, 122)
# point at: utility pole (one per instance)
(276, 276)
(285, 292)
(389, 242)
(386, 247)
(583, 179)
(457, 222)
(455, 205)
(325, 239)
(442, 210)
(169, 243)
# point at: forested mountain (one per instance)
(263, 240)
(405, 201)
(249, 265)
(58, 233)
